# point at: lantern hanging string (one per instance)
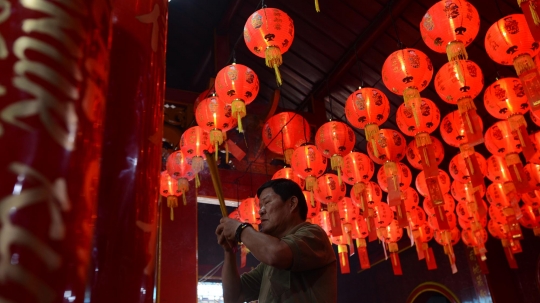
(359, 64)
(329, 101)
(400, 44)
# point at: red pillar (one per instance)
(52, 88)
(178, 264)
(124, 246)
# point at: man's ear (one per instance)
(294, 203)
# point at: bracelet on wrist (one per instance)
(239, 231)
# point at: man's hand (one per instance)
(225, 233)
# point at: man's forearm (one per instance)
(230, 279)
(267, 249)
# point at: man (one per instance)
(297, 260)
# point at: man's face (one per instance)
(274, 213)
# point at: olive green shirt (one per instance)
(311, 278)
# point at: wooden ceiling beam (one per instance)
(365, 40)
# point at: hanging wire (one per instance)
(498, 8)
(329, 101)
(400, 44)
(360, 71)
(211, 272)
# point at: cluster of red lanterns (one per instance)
(454, 204)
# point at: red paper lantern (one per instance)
(465, 191)
(473, 223)
(497, 170)
(391, 233)
(357, 167)
(535, 140)
(453, 129)
(169, 188)
(454, 236)
(289, 173)
(450, 217)
(347, 212)
(268, 33)
(449, 205)
(532, 199)
(179, 168)
(410, 197)
(498, 196)
(194, 141)
(506, 97)
(530, 219)
(449, 27)
(309, 164)
(313, 209)
(509, 41)
(500, 141)
(509, 38)
(329, 190)
(407, 72)
(532, 173)
(372, 194)
(404, 177)
(324, 221)
(367, 108)
(168, 185)
(468, 237)
(248, 211)
(205, 94)
(390, 146)
(459, 79)
(359, 228)
(237, 85)
(383, 215)
(284, 132)
(459, 170)
(235, 215)
(416, 216)
(413, 155)
(334, 140)
(421, 186)
(429, 118)
(405, 69)
(467, 211)
(426, 233)
(215, 117)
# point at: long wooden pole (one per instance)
(214, 173)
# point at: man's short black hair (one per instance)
(286, 188)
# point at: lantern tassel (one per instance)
(372, 134)
(311, 183)
(172, 202)
(227, 152)
(412, 99)
(288, 155)
(317, 9)
(456, 50)
(197, 163)
(274, 60)
(464, 106)
(239, 110)
(523, 63)
(184, 197)
(516, 121)
(336, 161)
(197, 181)
(534, 14)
